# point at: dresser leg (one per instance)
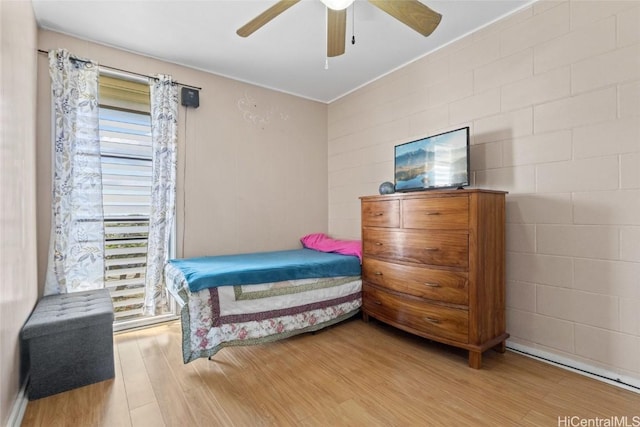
(475, 359)
(501, 348)
(365, 317)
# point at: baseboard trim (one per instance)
(19, 406)
(609, 377)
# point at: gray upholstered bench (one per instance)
(69, 339)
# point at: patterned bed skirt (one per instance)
(253, 314)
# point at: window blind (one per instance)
(125, 148)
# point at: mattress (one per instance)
(264, 267)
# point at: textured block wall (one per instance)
(552, 96)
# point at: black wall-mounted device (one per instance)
(190, 97)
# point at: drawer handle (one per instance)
(433, 213)
(378, 243)
(377, 273)
(431, 249)
(432, 285)
(378, 214)
(376, 302)
(432, 320)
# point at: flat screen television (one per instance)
(437, 161)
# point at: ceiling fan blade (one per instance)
(336, 31)
(412, 13)
(266, 16)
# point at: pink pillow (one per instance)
(323, 243)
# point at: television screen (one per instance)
(437, 161)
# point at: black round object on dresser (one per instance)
(387, 188)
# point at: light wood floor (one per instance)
(353, 374)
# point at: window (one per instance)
(126, 158)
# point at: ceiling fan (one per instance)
(410, 12)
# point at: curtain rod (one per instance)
(46, 52)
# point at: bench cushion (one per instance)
(65, 312)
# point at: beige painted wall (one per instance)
(552, 96)
(256, 160)
(18, 287)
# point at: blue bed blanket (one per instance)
(264, 267)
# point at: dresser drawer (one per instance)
(385, 213)
(439, 285)
(415, 314)
(442, 248)
(436, 213)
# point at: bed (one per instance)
(248, 299)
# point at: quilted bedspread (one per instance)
(223, 316)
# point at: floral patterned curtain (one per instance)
(76, 252)
(164, 134)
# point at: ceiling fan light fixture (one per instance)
(337, 4)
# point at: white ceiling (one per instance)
(287, 54)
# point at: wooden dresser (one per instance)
(433, 265)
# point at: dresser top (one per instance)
(432, 193)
